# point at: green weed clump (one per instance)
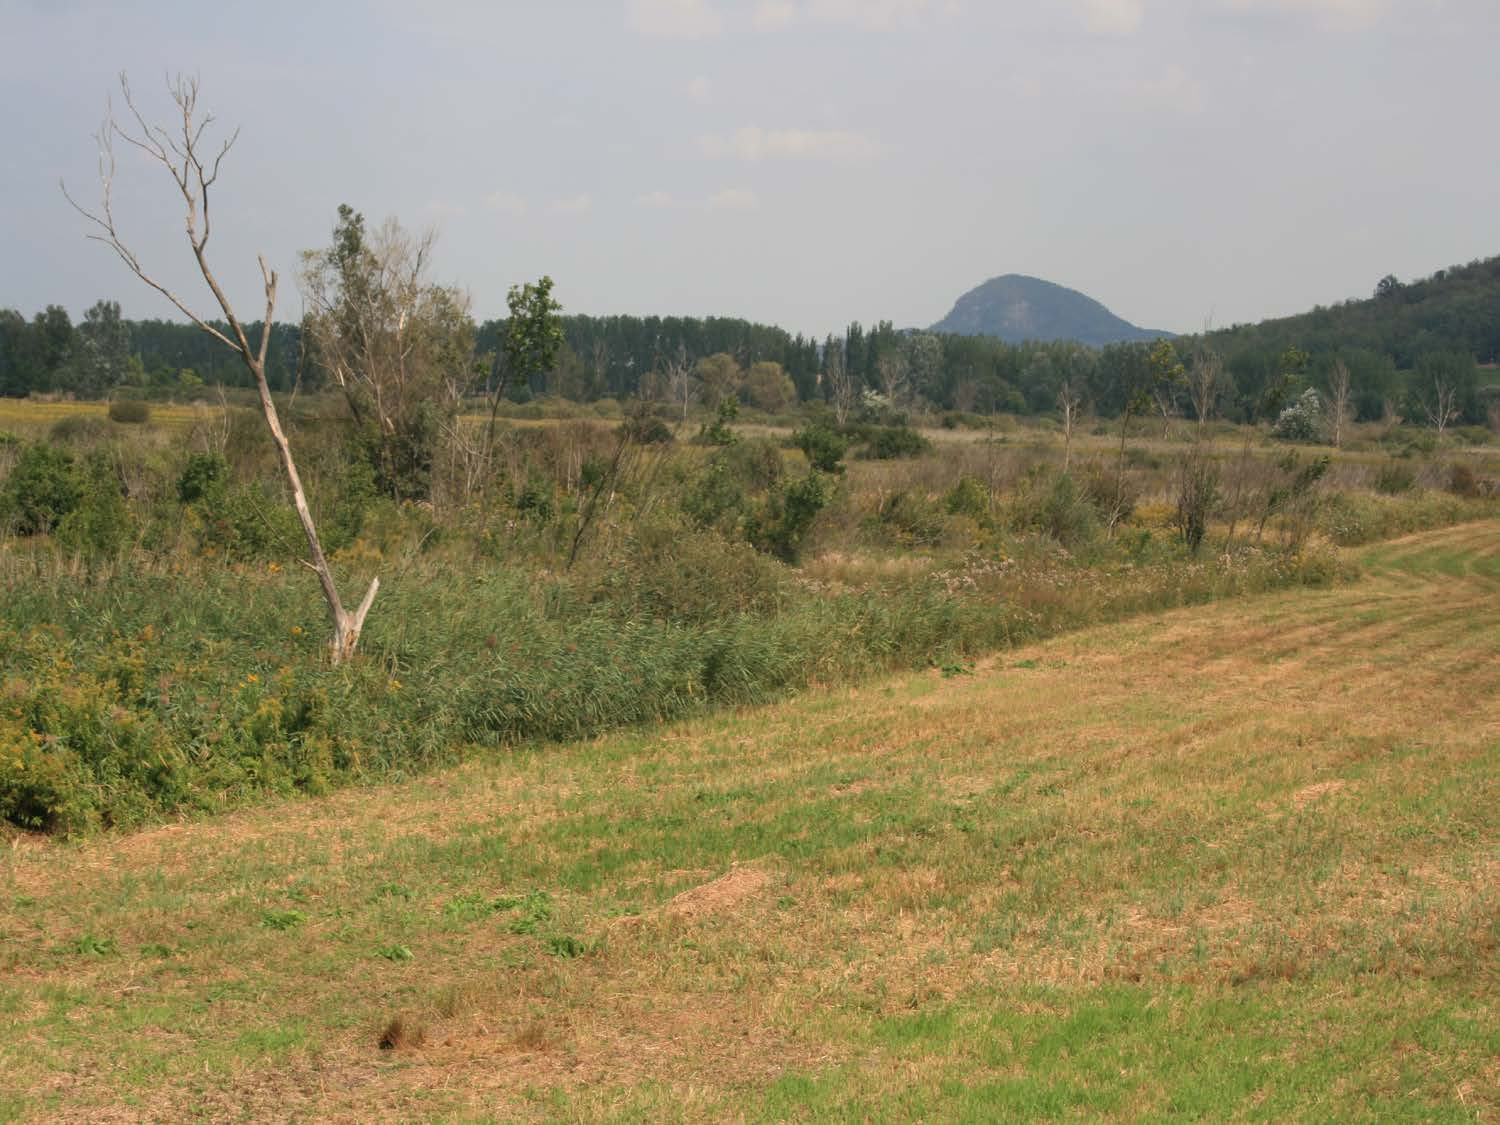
(129, 411)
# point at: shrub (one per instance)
(1108, 491)
(715, 498)
(203, 474)
(757, 463)
(718, 431)
(1422, 443)
(647, 431)
(248, 522)
(129, 411)
(824, 447)
(1395, 478)
(1464, 481)
(1302, 420)
(43, 487)
(1056, 507)
(100, 526)
(402, 460)
(1197, 497)
(886, 443)
(969, 497)
(912, 518)
(672, 573)
(536, 499)
(783, 521)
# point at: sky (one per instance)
(798, 162)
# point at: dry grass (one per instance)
(1238, 861)
(35, 417)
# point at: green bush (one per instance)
(719, 432)
(100, 525)
(911, 519)
(969, 497)
(715, 498)
(129, 411)
(672, 573)
(202, 475)
(824, 447)
(1056, 507)
(783, 521)
(44, 485)
(246, 522)
(757, 463)
(886, 443)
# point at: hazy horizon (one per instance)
(798, 162)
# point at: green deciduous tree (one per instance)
(769, 387)
(393, 341)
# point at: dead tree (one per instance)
(1069, 403)
(1205, 381)
(841, 386)
(679, 377)
(1442, 409)
(194, 167)
(1338, 400)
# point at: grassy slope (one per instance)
(1236, 861)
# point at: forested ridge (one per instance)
(1393, 343)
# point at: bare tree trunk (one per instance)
(1338, 387)
(181, 155)
(1068, 400)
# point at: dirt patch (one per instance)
(1310, 793)
(724, 895)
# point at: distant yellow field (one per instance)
(25, 415)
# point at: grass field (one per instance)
(1236, 861)
(35, 418)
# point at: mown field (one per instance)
(1236, 861)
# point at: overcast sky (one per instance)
(802, 162)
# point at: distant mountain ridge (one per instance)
(1016, 308)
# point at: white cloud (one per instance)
(700, 89)
(874, 15)
(1174, 89)
(442, 209)
(1113, 17)
(659, 201)
(1355, 11)
(573, 205)
(774, 15)
(733, 199)
(729, 199)
(505, 203)
(753, 143)
(675, 19)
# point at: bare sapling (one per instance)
(1338, 401)
(194, 163)
(1069, 403)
